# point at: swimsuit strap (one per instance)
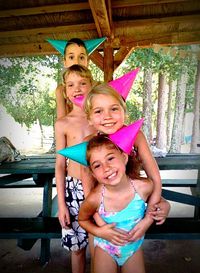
(132, 184)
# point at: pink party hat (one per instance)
(79, 101)
(76, 153)
(123, 84)
(125, 137)
(91, 45)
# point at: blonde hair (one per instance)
(80, 70)
(104, 89)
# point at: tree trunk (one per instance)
(147, 104)
(179, 114)
(42, 134)
(169, 114)
(161, 134)
(195, 128)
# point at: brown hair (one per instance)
(75, 41)
(104, 89)
(133, 166)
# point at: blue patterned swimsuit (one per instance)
(125, 219)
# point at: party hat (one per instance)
(123, 84)
(91, 45)
(76, 153)
(79, 101)
(125, 137)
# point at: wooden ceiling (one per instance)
(25, 25)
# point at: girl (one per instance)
(119, 198)
(106, 111)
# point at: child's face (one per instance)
(107, 115)
(75, 55)
(108, 165)
(76, 86)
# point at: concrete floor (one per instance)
(161, 256)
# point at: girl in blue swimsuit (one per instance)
(120, 199)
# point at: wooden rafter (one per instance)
(101, 17)
(44, 9)
(41, 30)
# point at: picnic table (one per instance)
(45, 226)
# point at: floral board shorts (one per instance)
(74, 238)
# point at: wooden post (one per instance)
(108, 62)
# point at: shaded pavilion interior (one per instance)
(127, 24)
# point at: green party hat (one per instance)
(76, 153)
(91, 45)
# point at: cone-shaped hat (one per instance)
(76, 153)
(123, 84)
(91, 45)
(79, 101)
(124, 138)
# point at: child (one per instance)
(106, 111)
(75, 52)
(71, 130)
(119, 198)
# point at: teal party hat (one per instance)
(91, 45)
(76, 153)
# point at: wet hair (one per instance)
(133, 166)
(75, 41)
(80, 70)
(104, 89)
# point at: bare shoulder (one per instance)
(60, 87)
(143, 186)
(95, 195)
(62, 123)
(87, 138)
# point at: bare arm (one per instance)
(60, 173)
(61, 107)
(150, 166)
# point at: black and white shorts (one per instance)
(75, 238)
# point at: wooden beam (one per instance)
(43, 9)
(108, 65)
(30, 49)
(174, 38)
(155, 21)
(97, 59)
(101, 17)
(133, 3)
(47, 30)
(121, 55)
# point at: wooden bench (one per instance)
(49, 228)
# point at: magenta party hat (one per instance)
(123, 84)
(79, 101)
(76, 153)
(125, 137)
(91, 45)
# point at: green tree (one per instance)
(25, 89)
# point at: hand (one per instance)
(140, 229)
(113, 235)
(160, 211)
(64, 217)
